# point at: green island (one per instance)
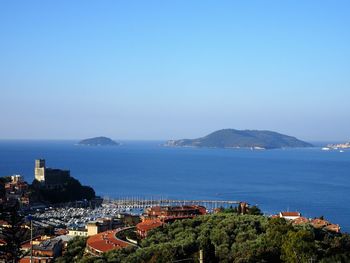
(231, 138)
(98, 141)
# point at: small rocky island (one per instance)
(98, 141)
(231, 138)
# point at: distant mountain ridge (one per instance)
(231, 138)
(98, 141)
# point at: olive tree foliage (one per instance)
(230, 237)
(299, 246)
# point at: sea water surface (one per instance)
(309, 180)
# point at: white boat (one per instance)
(258, 148)
(326, 149)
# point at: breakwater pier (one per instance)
(136, 202)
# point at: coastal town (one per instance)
(106, 224)
(338, 146)
(174, 131)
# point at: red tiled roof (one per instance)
(333, 228)
(319, 223)
(290, 214)
(26, 245)
(105, 241)
(61, 232)
(24, 260)
(156, 208)
(149, 224)
(300, 220)
(35, 259)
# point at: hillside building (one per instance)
(95, 227)
(157, 216)
(289, 215)
(78, 231)
(50, 178)
(17, 189)
(105, 241)
(45, 250)
(144, 227)
(102, 225)
(168, 213)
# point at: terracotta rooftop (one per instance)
(26, 245)
(105, 241)
(61, 231)
(290, 214)
(333, 228)
(319, 223)
(300, 220)
(35, 259)
(149, 224)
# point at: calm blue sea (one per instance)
(312, 181)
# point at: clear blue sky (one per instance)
(174, 69)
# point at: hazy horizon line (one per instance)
(146, 140)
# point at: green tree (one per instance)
(254, 210)
(229, 237)
(75, 250)
(298, 246)
(14, 233)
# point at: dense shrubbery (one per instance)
(129, 234)
(3, 181)
(228, 237)
(75, 250)
(13, 233)
(252, 210)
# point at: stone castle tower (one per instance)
(39, 170)
(48, 177)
